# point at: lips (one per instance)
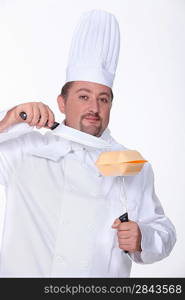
(91, 118)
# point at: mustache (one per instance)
(96, 115)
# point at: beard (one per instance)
(93, 129)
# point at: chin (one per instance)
(91, 130)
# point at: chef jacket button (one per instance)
(60, 259)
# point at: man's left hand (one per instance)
(129, 235)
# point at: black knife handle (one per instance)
(124, 218)
(23, 115)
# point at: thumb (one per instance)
(3, 125)
(7, 121)
(116, 223)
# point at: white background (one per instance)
(148, 110)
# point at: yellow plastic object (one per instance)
(119, 163)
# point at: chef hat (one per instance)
(94, 49)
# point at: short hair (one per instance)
(65, 90)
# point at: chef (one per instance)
(62, 214)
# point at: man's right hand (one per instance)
(38, 114)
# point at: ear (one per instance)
(61, 103)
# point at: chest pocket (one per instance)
(82, 179)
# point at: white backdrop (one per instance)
(148, 110)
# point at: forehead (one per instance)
(91, 86)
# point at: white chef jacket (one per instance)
(59, 208)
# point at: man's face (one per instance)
(87, 107)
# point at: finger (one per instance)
(123, 229)
(124, 243)
(123, 234)
(43, 116)
(125, 226)
(130, 248)
(51, 118)
(36, 115)
(125, 247)
(124, 240)
(116, 223)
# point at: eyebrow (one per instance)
(89, 91)
(84, 89)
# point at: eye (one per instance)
(104, 100)
(83, 97)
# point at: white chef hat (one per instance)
(94, 49)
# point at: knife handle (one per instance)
(23, 115)
(124, 218)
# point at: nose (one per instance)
(94, 106)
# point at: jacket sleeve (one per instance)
(10, 147)
(158, 232)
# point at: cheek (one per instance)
(74, 112)
(105, 115)
(77, 111)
